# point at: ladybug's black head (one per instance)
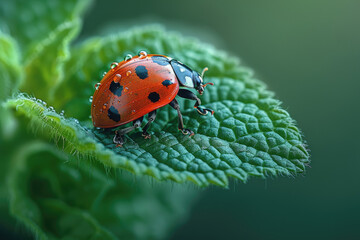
(198, 82)
(187, 77)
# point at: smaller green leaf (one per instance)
(57, 198)
(11, 72)
(44, 70)
(11, 75)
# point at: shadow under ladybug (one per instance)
(140, 85)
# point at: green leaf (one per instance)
(249, 135)
(57, 198)
(44, 69)
(31, 21)
(11, 73)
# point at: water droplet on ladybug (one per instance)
(142, 54)
(133, 111)
(128, 73)
(91, 99)
(128, 57)
(104, 106)
(104, 74)
(126, 89)
(97, 85)
(113, 65)
(117, 78)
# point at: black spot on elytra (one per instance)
(116, 88)
(163, 61)
(167, 83)
(154, 97)
(141, 72)
(113, 114)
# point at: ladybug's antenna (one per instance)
(202, 76)
(209, 83)
(203, 71)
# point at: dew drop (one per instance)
(133, 112)
(90, 117)
(104, 74)
(113, 65)
(76, 121)
(104, 106)
(142, 54)
(126, 89)
(128, 57)
(51, 109)
(128, 73)
(117, 78)
(62, 113)
(97, 85)
(91, 99)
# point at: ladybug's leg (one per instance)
(184, 93)
(118, 139)
(174, 103)
(151, 118)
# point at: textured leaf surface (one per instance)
(248, 136)
(30, 22)
(58, 199)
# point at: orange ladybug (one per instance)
(140, 85)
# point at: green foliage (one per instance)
(57, 198)
(249, 135)
(31, 22)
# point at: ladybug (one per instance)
(140, 85)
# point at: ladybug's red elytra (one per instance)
(140, 85)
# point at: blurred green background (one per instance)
(308, 53)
